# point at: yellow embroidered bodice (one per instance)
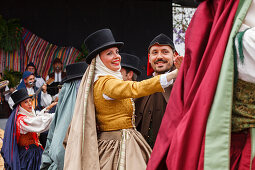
(112, 98)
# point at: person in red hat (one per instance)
(150, 109)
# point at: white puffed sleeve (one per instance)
(39, 123)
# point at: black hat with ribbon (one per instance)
(98, 42)
(19, 96)
(74, 71)
(130, 61)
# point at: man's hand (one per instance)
(52, 105)
(178, 61)
(56, 99)
(12, 90)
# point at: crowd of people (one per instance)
(39, 132)
(195, 112)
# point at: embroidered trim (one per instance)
(122, 155)
(133, 115)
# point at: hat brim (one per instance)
(96, 51)
(161, 44)
(20, 100)
(132, 68)
(76, 76)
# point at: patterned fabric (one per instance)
(40, 52)
(243, 106)
(12, 60)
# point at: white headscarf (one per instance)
(102, 70)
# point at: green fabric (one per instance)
(218, 129)
(54, 152)
(239, 37)
(238, 51)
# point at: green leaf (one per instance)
(83, 54)
(13, 77)
(10, 34)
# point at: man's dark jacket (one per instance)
(149, 113)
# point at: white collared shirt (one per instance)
(57, 76)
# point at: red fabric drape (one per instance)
(180, 141)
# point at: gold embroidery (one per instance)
(243, 115)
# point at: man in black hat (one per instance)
(150, 109)
(54, 156)
(129, 67)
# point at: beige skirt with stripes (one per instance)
(124, 149)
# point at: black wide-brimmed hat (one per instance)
(74, 71)
(162, 39)
(130, 61)
(98, 42)
(19, 95)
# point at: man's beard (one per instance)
(162, 71)
(168, 68)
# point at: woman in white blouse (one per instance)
(21, 146)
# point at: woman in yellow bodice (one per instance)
(108, 105)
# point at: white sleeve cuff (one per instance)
(163, 81)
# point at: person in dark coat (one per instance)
(129, 67)
(150, 109)
(58, 75)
